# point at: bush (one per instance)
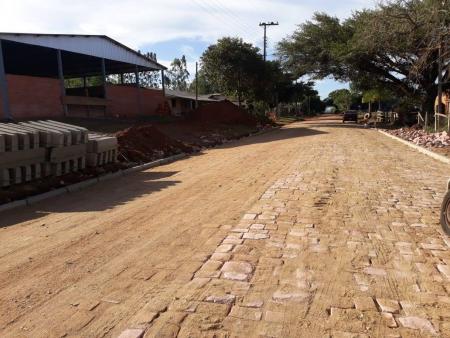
(259, 110)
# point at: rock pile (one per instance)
(422, 138)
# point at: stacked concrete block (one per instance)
(101, 150)
(79, 133)
(30, 150)
(22, 158)
(66, 147)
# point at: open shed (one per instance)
(182, 103)
(50, 75)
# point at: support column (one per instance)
(138, 86)
(4, 87)
(104, 78)
(196, 85)
(163, 82)
(61, 80)
(85, 90)
(136, 74)
(122, 80)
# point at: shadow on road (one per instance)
(109, 194)
(103, 196)
(335, 125)
(274, 136)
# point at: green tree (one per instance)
(178, 75)
(233, 67)
(204, 85)
(312, 104)
(296, 91)
(375, 95)
(393, 46)
(342, 98)
(150, 79)
(278, 86)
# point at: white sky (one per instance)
(147, 24)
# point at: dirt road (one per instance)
(318, 229)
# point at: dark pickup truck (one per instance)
(350, 115)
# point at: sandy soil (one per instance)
(126, 253)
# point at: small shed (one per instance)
(182, 103)
(37, 73)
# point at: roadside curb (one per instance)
(265, 131)
(13, 205)
(423, 150)
(47, 195)
(90, 182)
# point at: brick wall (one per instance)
(38, 97)
(32, 97)
(124, 101)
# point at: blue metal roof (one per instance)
(100, 46)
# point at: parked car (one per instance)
(350, 115)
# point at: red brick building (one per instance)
(49, 75)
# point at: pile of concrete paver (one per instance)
(422, 138)
(37, 149)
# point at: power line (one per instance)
(230, 13)
(218, 9)
(216, 16)
(212, 11)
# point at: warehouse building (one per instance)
(55, 75)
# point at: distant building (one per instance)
(181, 103)
(52, 75)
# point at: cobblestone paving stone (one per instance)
(347, 245)
(342, 239)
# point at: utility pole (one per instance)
(239, 88)
(265, 24)
(196, 85)
(309, 105)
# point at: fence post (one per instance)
(435, 122)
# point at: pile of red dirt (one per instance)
(146, 143)
(223, 112)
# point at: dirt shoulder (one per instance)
(139, 142)
(140, 233)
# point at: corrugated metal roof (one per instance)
(100, 46)
(190, 96)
